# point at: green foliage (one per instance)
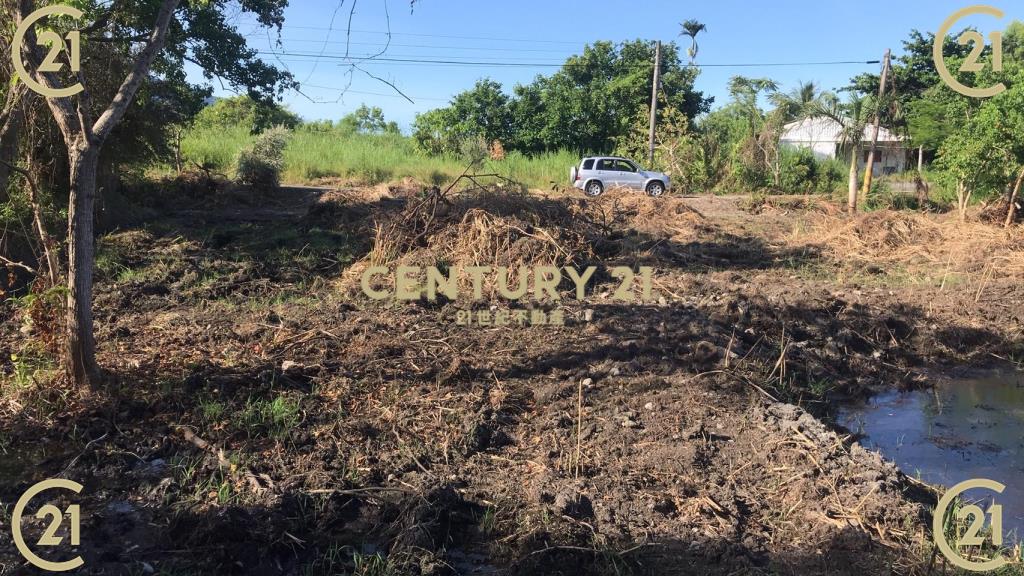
(273, 418)
(679, 151)
(215, 148)
(482, 113)
(244, 112)
(370, 158)
(985, 154)
(585, 106)
(364, 120)
(798, 173)
(260, 164)
(883, 197)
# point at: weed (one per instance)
(342, 560)
(212, 410)
(273, 418)
(489, 521)
(30, 364)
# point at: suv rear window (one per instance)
(588, 164)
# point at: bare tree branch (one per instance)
(119, 106)
(379, 79)
(348, 34)
(44, 236)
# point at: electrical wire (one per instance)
(505, 63)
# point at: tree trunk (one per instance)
(9, 151)
(1011, 212)
(851, 202)
(84, 139)
(869, 171)
(81, 353)
(49, 246)
(963, 197)
(920, 159)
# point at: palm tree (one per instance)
(852, 117)
(792, 104)
(692, 28)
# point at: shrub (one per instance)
(260, 164)
(831, 176)
(883, 197)
(243, 111)
(797, 170)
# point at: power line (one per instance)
(452, 37)
(566, 51)
(327, 37)
(360, 92)
(506, 63)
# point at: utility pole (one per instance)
(869, 172)
(654, 102)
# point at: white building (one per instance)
(823, 136)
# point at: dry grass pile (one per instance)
(490, 227)
(918, 239)
(660, 217)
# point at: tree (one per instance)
(758, 155)
(852, 117)
(792, 104)
(479, 113)
(243, 110)
(986, 154)
(585, 106)
(198, 32)
(914, 81)
(692, 28)
(367, 120)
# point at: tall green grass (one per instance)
(370, 159)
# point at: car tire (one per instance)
(655, 189)
(594, 188)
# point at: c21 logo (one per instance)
(973, 62)
(973, 535)
(57, 46)
(50, 537)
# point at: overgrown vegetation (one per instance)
(260, 164)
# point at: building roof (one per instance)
(822, 129)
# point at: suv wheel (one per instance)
(655, 189)
(594, 188)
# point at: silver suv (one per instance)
(595, 174)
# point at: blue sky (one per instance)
(535, 32)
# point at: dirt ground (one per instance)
(264, 417)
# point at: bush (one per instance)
(801, 173)
(242, 111)
(260, 164)
(831, 175)
(797, 170)
(883, 197)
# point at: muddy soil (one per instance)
(263, 417)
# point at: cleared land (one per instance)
(269, 419)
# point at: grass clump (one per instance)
(271, 418)
(260, 164)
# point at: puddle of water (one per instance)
(960, 430)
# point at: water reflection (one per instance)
(962, 429)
